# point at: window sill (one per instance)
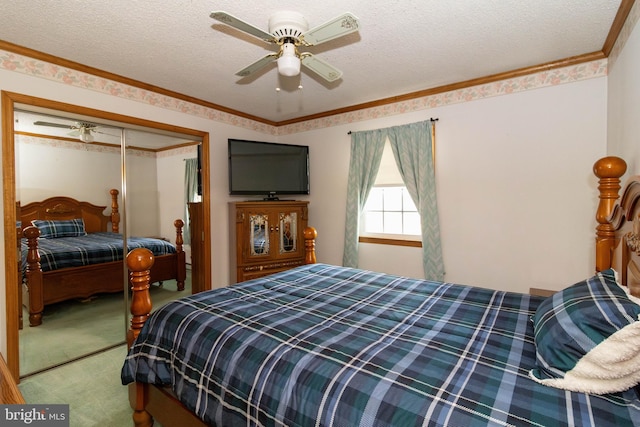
(386, 241)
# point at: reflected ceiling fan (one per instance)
(81, 130)
(290, 30)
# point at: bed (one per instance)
(321, 345)
(71, 250)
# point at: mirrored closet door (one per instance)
(56, 173)
(66, 161)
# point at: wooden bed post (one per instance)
(34, 276)
(139, 262)
(310, 235)
(115, 214)
(608, 170)
(181, 273)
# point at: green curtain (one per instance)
(190, 193)
(412, 147)
(366, 153)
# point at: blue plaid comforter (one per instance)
(93, 248)
(321, 345)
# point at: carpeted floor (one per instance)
(74, 329)
(89, 384)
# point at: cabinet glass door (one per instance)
(288, 227)
(259, 235)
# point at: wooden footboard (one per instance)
(174, 266)
(43, 288)
(149, 401)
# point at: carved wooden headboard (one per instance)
(618, 230)
(62, 207)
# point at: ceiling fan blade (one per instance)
(241, 25)
(339, 26)
(321, 67)
(55, 125)
(260, 63)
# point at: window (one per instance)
(390, 212)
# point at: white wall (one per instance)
(170, 178)
(623, 137)
(142, 206)
(516, 193)
(45, 166)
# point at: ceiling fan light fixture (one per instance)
(289, 66)
(290, 30)
(85, 135)
(289, 62)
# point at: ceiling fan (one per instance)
(290, 30)
(81, 130)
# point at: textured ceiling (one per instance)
(402, 46)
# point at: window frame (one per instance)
(388, 241)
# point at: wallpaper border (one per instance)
(99, 148)
(26, 65)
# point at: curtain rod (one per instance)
(432, 119)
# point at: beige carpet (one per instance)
(91, 387)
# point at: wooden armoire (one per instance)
(267, 237)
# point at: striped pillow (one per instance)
(51, 229)
(588, 337)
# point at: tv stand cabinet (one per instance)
(266, 237)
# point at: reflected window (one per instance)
(259, 238)
(288, 232)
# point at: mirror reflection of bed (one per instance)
(50, 161)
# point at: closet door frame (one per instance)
(11, 101)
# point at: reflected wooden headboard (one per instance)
(618, 230)
(62, 207)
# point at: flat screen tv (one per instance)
(268, 169)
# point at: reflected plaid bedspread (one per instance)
(322, 345)
(93, 248)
